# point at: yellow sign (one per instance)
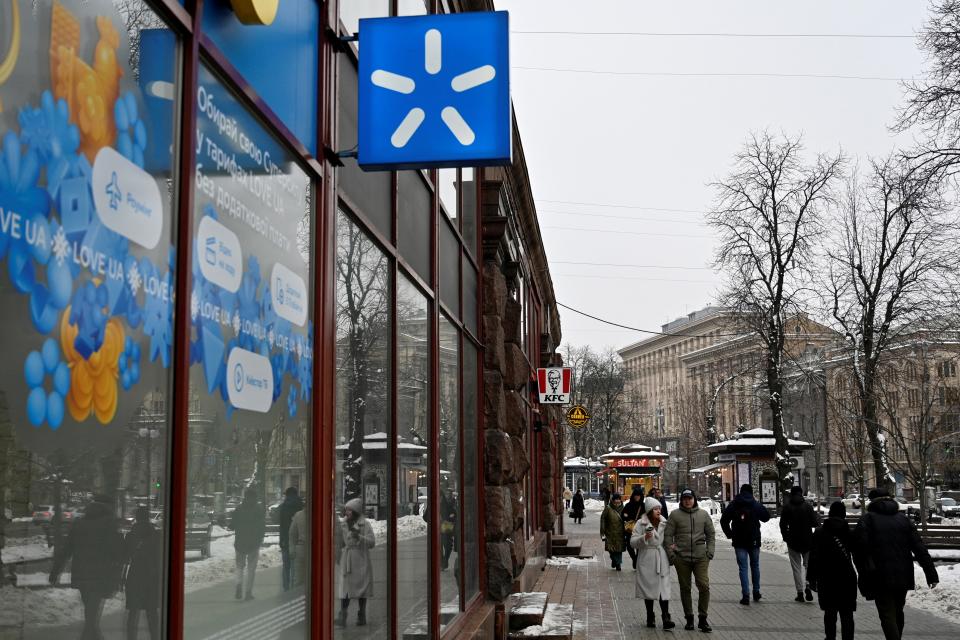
(255, 11)
(577, 416)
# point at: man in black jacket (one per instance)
(797, 522)
(886, 545)
(741, 523)
(249, 525)
(291, 504)
(630, 514)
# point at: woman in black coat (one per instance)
(831, 573)
(578, 506)
(144, 552)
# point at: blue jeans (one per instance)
(286, 573)
(753, 555)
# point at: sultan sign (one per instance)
(434, 91)
(624, 463)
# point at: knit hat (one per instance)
(615, 496)
(878, 492)
(637, 491)
(838, 510)
(650, 504)
(746, 489)
(355, 505)
(796, 490)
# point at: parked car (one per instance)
(948, 507)
(852, 501)
(43, 514)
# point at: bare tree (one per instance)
(768, 213)
(889, 268)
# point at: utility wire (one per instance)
(653, 34)
(681, 74)
(586, 214)
(655, 333)
(634, 266)
(644, 278)
(632, 233)
(622, 206)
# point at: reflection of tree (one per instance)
(137, 16)
(449, 402)
(362, 340)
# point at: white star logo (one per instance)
(433, 62)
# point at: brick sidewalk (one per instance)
(605, 607)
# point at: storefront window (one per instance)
(471, 527)
(251, 379)
(449, 270)
(470, 294)
(447, 190)
(363, 432)
(450, 490)
(86, 249)
(352, 10)
(413, 582)
(413, 225)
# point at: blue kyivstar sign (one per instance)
(434, 91)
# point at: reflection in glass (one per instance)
(363, 430)
(447, 190)
(86, 320)
(411, 7)
(413, 221)
(247, 539)
(413, 441)
(450, 494)
(468, 210)
(352, 10)
(471, 528)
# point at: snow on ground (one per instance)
(592, 504)
(32, 548)
(407, 527)
(46, 607)
(569, 561)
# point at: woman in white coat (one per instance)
(354, 542)
(653, 567)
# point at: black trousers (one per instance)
(890, 609)
(630, 550)
(830, 624)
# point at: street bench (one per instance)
(198, 538)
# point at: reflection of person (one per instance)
(144, 553)
(448, 526)
(291, 504)
(95, 545)
(690, 540)
(354, 540)
(653, 567)
(249, 526)
(578, 506)
(299, 547)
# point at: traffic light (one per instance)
(156, 484)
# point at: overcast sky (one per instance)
(617, 159)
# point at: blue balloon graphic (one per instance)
(33, 369)
(55, 410)
(61, 379)
(37, 406)
(51, 355)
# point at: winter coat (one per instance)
(96, 548)
(611, 527)
(354, 567)
(797, 522)
(143, 547)
(886, 544)
(578, 507)
(286, 511)
(692, 531)
(741, 521)
(663, 507)
(249, 526)
(653, 566)
(299, 546)
(830, 572)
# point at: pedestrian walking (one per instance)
(740, 522)
(797, 522)
(567, 497)
(605, 495)
(292, 503)
(690, 540)
(612, 532)
(143, 547)
(656, 493)
(95, 549)
(653, 566)
(448, 526)
(631, 512)
(355, 569)
(831, 573)
(578, 507)
(249, 526)
(299, 547)
(886, 544)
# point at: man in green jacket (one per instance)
(690, 542)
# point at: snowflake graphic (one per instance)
(61, 248)
(236, 322)
(194, 304)
(134, 279)
(433, 63)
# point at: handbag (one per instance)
(446, 527)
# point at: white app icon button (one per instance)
(221, 258)
(249, 380)
(127, 198)
(289, 294)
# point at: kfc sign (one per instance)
(554, 385)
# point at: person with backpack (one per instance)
(831, 574)
(741, 523)
(690, 541)
(143, 549)
(797, 522)
(612, 531)
(886, 544)
(249, 526)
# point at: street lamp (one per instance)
(149, 434)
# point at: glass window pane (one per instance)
(413, 224)
(87, 317)
(468, 210)
(470, 296)
(364, 429)
(251, 381)
(447, 189)
(413, 441)
(450, 492)
(411, 7)
(471, 528)
(449, 272)
(352, 10)
(370, 191)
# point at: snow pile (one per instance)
(407, 527)
(46, 607)
(592, 504)
(569, 561)
(770, 538)
(942, 601)
(32, 548)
